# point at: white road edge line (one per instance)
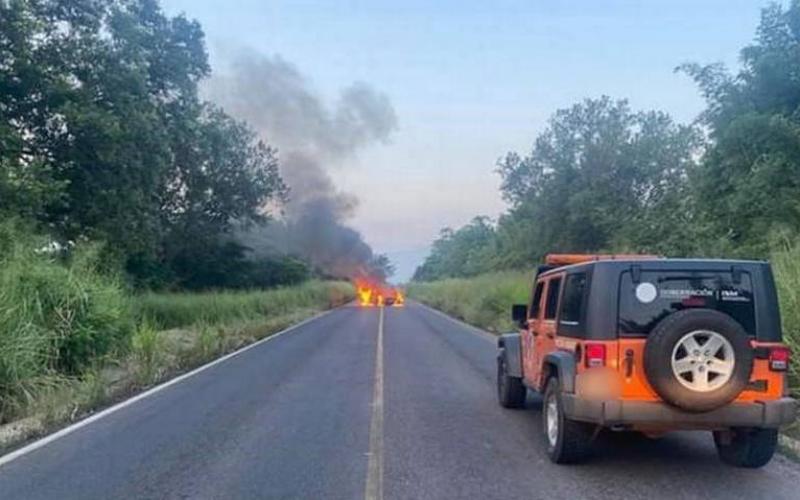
(374, 487)
(10, 457)
(474, 329)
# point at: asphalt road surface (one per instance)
(352, 406)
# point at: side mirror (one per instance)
(519, 314)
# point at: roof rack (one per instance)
(565, 259)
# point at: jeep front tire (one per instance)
(567, 441)
(511, 391)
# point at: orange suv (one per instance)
(652, 345)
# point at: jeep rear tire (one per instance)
(698, 359)
(511, 391)
(567, 441)
(749, 448)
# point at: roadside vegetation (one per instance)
(73, 336)
(172, 310)
(484, 300)
(786, 265)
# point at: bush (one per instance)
(57, 317)
(211, 264)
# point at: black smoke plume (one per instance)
(313, 140)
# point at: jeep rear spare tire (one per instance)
(698, 359)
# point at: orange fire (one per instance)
(374, 294)
(364, 296)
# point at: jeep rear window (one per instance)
(656, 294)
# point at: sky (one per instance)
(470, 81)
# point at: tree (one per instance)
(600, 176)
(104, 137)
(461, 253)
(748, 184)
(222, 179)
(29, 86)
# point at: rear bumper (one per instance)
(639, 413)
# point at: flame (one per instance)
(365, 296)
(375, 294)
(366, 292)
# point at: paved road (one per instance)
(295, 417)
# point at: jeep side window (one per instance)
(537, 300)
(572, 302)
(551, 306)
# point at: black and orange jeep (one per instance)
(653, 345)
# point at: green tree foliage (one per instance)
(461, 253)
(599, 177)
(103, 136)
(748, 185)
(604, 178)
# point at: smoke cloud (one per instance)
(313, 139)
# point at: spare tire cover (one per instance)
(698, 359)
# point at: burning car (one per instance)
(371, 294)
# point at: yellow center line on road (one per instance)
(374, 487)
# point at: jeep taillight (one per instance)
(779, 359)
(595, 355)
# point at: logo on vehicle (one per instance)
(646, 292)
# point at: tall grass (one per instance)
(786, 266)
(147, 352)
(173, 310)
(57, 317)
(69, 330)
(483, 301)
